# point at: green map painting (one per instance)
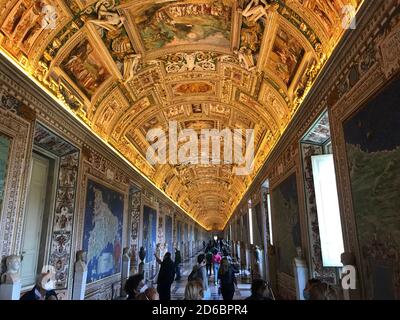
(373, 151)
(4, 153)
(285, 210)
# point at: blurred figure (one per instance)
(43, 289)
(259, 290)
(310, 283)
(149, 294)
(194, 291)
(208, 261)
(322, 291)
(227, 279)
(199, 273)
(166, 276)
(216, 261)
(133, 286)
(178, 261)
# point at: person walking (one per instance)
(199, 273)
(166, 276)
(227, 279)
(216, 261)
(43, 289)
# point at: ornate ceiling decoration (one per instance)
(125, 67)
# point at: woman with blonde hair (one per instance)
(194, 291)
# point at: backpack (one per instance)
(195, 275)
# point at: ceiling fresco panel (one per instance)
(184, 23)
(125, 67)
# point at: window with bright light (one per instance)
(328, 210)
(269, 218)
(251, 225)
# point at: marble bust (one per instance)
(347, 258)
(80, 265)
(299, 252)
(126, 254)
(81, 256)
(12, 275)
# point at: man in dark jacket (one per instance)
(260, 290)
(166, 276)
(43, 290)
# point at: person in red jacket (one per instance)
(216, 261)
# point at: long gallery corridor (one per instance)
(251, 147)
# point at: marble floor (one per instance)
(178, 287)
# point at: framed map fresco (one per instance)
(285, 208)
(149, 232)
(177, 23)
(5, 144)
(372, 139)
(103, 225)
(83, 66)
(168, 233)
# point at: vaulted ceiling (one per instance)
(125, 67)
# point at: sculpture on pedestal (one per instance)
(126, 261)
(300, 270)
(80, 276)
(299, 252)
(158, 249)
(80, 264)
(158, 254)
(12, 275)
(142, 256)
(256, 265)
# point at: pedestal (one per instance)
(301, 276)
(248, 258)
(126, 266)
(79, 288)
(10, 291)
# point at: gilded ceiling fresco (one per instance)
(128, 66)
(184, 23)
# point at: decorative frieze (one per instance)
(61, 240)
(12, 211)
